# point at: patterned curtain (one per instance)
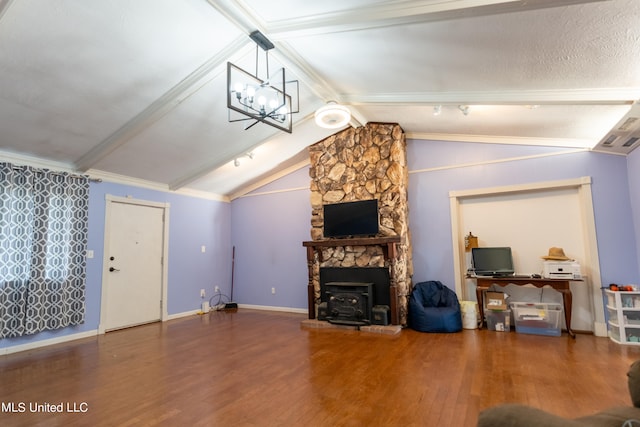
(43, 240)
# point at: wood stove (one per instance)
(349, 303)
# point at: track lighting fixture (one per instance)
(250, 155)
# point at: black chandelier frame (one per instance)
(251, 98)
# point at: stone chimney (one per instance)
(359, 164)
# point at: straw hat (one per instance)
(557, 254)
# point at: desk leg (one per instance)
(480, 300)
(567, 300)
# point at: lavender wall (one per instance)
(268, 229)
(193, 222)
(429, 198)
(268, 226)
(633, 166)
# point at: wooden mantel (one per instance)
(389, 249)
(388, 244)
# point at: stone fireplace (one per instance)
(361, 164)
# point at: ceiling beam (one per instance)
(269, 179)
(386, 14)
(202, 171)
(4, 6)
(240, 15)
(248, 21)
(161, 106)
(604, 96)
(403, 13)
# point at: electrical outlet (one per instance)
(273, 291)
(217, 289)
(202, 293)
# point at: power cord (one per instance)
(219, 304)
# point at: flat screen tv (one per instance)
(348, 219)
(492, 261)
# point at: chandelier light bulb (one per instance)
(282, 112)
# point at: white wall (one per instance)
(529, 223)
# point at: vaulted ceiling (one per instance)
(137, 89)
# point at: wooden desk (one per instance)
(560, 285)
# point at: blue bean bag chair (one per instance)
(433, 307)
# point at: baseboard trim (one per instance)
(183, 314)
(600, 329)
(47, 342)
(272, 308)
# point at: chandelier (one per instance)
(254, 99)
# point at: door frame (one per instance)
(110, 199)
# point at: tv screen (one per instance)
(351, 219)
(492, 261)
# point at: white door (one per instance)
(133, 276)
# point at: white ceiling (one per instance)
(137, 89)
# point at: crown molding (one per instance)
(243, 192)
(593, 96)
(37, 162)
(499, 139)
(151, 185)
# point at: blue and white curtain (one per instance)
(43, 240)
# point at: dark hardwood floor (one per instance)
(254, 368)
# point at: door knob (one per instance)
(113, 269)
(112, 258)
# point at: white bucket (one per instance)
(205, 306)
(469, 314)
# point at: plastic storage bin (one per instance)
(498, 320)
(537, 318)
(623, 308)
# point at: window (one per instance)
(43, 237)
